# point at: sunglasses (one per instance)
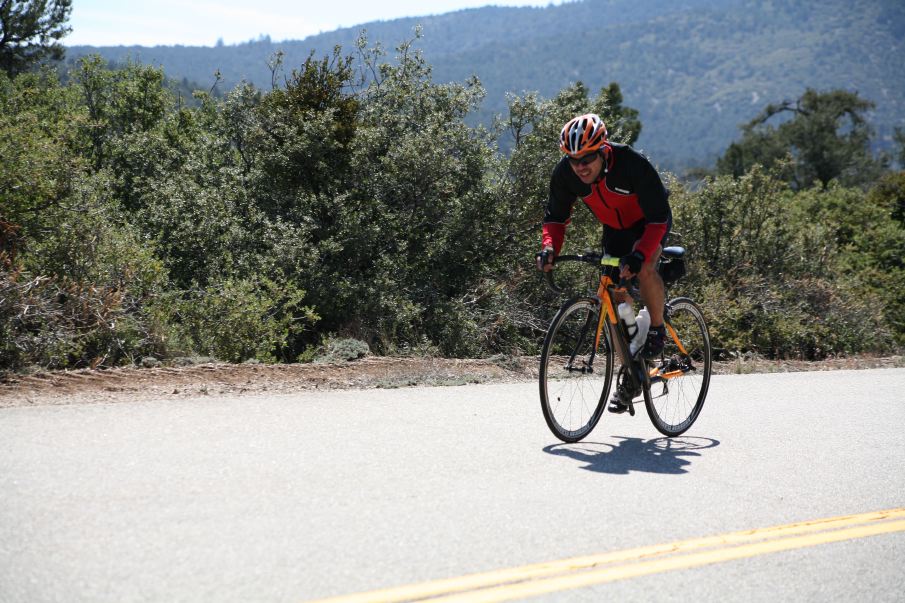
(584, 160)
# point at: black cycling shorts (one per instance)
(619, 243)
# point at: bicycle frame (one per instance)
(618, 332)
(608, 317)
(619, 337)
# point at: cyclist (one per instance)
(623, 190)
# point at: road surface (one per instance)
(315, 495)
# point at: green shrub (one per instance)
(57, 323)
(235, 320)
(342, 349)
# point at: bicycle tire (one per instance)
(673, 405)
(573, 393)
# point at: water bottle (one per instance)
(643, 322)
(628, 317)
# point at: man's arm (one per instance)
(558, 212)
(654, 201)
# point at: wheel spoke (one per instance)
(677, 405)
(573, 378)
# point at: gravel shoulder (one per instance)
(212, 379)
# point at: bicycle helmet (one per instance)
(582, 135)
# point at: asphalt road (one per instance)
(300, 497)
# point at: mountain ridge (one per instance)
(695, 69)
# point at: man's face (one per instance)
(587, 167)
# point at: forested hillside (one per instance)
(321, 215)
(695, 69)
(319, 218)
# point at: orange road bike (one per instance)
(586, 355)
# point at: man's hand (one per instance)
(630, 264)
(545, 259)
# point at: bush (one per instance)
(344, 349)
(57, 323)
(810, 318)
(235, 320)
(785, 274)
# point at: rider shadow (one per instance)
(659, 455)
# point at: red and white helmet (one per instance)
(582, 135)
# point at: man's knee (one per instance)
(649, 274)
(649, 267)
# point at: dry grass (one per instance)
(212, 379)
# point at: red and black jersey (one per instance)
(628, 194)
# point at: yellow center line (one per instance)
(622, 572)
(540, 578)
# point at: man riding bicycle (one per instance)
(623, 190)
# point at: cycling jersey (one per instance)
(628, 195)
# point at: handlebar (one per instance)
(596, 259)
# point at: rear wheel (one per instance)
(680, 376)
(575, 370)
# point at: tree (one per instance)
(621, 121)
(827, 137)
(30, 31)
(899, 138)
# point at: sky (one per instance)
(203, 22)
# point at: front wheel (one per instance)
(576, 370)
(680, 376)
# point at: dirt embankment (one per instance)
(133, 383)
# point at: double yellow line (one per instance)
(578, 572)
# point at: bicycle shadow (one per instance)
(659, 455)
